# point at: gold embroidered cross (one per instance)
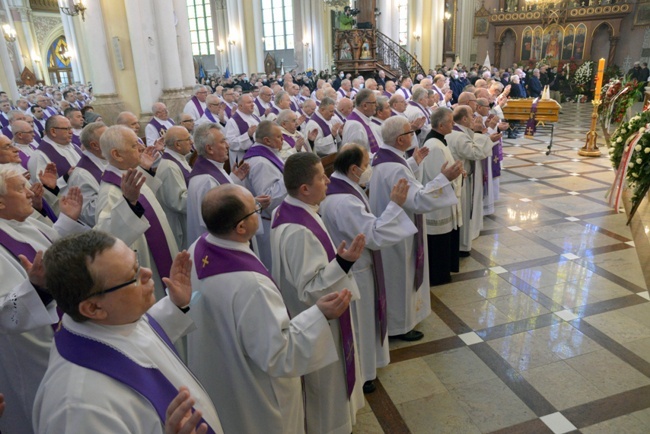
(205, 261)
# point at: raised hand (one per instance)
(251, 130)
(35, 270)
(453, 171)
(333, 305)
(178, 283)
(241, 171)
(312, 134)
(148, 157)
(420, 154)
(179, 417)
(264, 200)
(37, 199)
(355, 250)
(48, 176)
(72, 203)
(400, 191)
(132, 182)
(159, 144)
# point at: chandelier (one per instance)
(336, 4)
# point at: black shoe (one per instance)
(411, 336)
(463, 254)
(369, 386)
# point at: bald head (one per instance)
(128, 119)
(222, 209)
(344, 106)
(23, 132)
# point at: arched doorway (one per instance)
(600, 42)
(509, 40)
(58, 62)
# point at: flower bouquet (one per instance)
(583, 77)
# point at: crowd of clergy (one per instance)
(212, 274)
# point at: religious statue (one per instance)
(346, 51)
(511, 5)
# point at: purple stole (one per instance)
(7, 132)
(290, 214)
(342, 92)
(340, 117)
(264, 152)
(338, 186)
(16, 247)
(3, 120)
(274, 109)
(24, 158)
(162, 129)
(228, 111)
(186, 173)
(497, 157)
(197, 104)
(62, 165)
(372, 141)
(208, 114)
(50, 111)
(242, 125)
(439, 92)
(406, 93)
(89, 165)
(211, 260)
(39, 126)
(49, 212)
(424, 112)
(387, 156)
(155, 235)
(290, 140)
(38, 139)
(376, 122)
(203, 166)
(148, 382)
(387, 94)
(260, 107)
(322, 124)
(76, 140)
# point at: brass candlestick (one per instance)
(590, 149)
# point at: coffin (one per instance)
(519, 110)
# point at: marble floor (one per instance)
(546, 329)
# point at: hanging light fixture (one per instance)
(73, 8)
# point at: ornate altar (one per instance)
(354, 50)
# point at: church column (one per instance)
(437, 32)
(184, 44)
(25, 16)
(497, 54)
(8, 77)
(613, 42)
(237, 39)
(220, 31)
(71, 41)
(464, 16)
(14, 46)
(256, 62)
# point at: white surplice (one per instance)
(345, 217)
(152, 134)
(39, 160)
(25, 323)
(172, 195)
(355, 132)
(304, 273)
(323, 145)
(74, 399)
(471, 148)
(89, 186)
(190, 109)
(116, 217)
(264, 178)
(239, 143)
(406, 304)
(247, 352)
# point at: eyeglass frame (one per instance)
(135, 280)
(404, 134)
(258, 210)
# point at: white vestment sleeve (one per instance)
(175, 323)
(21, 309)
(116, 217)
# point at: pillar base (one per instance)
(175, 100)
(108, 106)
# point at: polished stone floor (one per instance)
(546, 329)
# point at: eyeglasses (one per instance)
(25, 132)
(136, 280)
(258, 210)
(62, 128)
(187, 120)
(405, 134)
(189, 139)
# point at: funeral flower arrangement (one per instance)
(583, 77)
(637, 172)
(617, 96)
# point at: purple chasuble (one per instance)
(88, 164)
(203, 166)
(372, 141)
(186, 173)
(155, 235)
(290, 214)
(211, 260)
(322, 123)
(198, 106)
(497, 157)
(265, 152)
(290, 140)
(148, 382)
(162, 129)
(62, 165)
(338, 186)
(387, 156)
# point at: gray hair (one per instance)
(113, 138)
(264, 130)
(283, 116)
(90, 133)
(326, 102)
(392, 128)
(382, 103)
(12, 114)
(278, 97)
(197, 88)
(362, 96)
(439, 115)
(419, 94)
(7, 171)
(202, 136)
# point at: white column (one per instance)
(220, 30)
(416, 27)
(101, 74)
(26, 22)
(465, 31)
(259, 34)
(147, 65)
(437, 32)
(14, 45)
(71, 40)
(184, 43)
(8, 70)
(167, 46)
(237, 34)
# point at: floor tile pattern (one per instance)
(546, 329)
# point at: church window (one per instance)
(277, 22)
(403, 22)
(201, 35)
